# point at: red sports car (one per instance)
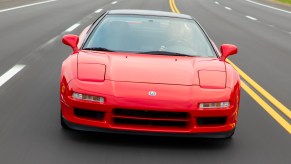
(149, 72)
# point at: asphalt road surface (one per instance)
(31, 52)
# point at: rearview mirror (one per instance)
(227, 50)
(72, 41)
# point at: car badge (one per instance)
(152, 93)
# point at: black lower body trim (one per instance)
(78, 127)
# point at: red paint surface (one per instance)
(125, 79)
(181, 83)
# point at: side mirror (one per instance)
(72, 41)
(227, 50)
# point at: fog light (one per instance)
(80, 96)
(214, 105)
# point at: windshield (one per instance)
(148, 34)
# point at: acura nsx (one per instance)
(149, 72)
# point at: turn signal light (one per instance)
(80, 96)
(214, 105)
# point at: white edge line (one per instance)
(114, 2)
(98, 11)
(216, 2)
(252, 18)
(28, 5)
(73, 27)
(48, 42)
(227, 8)
(52, 39)
(10, 73)
(257, 3)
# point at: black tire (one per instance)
(63, 124)
(230, 135)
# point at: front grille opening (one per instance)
(90, 114)
(150, 114)
(211, 121)
(126, 121)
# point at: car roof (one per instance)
(149, 12)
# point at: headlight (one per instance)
(80, 96)
(214, 105)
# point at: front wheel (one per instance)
(230, 135)
(63, 124)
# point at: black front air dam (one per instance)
(78, 127)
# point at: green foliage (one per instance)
(285, 1)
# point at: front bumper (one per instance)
(191, 124)
(185, 121)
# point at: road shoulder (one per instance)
(274, 3)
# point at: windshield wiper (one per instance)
(165, 53)
(98, 49)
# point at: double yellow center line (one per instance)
(284, 123)
(174, 7)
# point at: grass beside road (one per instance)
(285, 1)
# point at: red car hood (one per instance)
(144, 68)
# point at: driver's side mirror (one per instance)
(227, 50)
(72, 41)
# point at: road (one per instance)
(30, 44)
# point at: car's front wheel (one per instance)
(63, 124)
(230, 135)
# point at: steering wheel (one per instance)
(177, 43)
(180, 41)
